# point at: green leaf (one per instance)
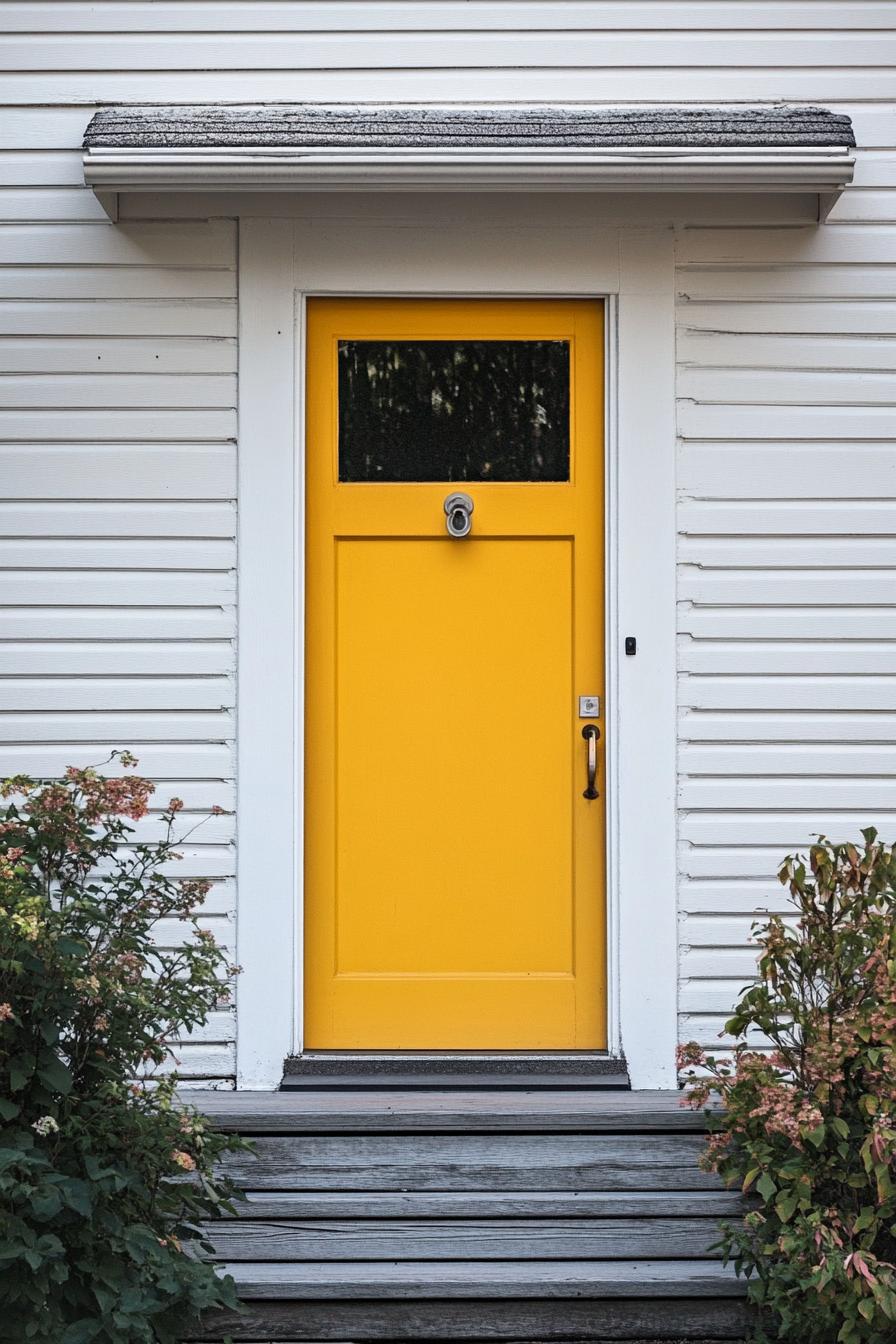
(81, 1332)
(766, 1187)
(816, 1136)
(55, 1075)
(8, 1109)
(785, 1205)
(77, 1196)
(46, 1203)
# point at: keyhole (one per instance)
(458, 520)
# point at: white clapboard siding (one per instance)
(93, 281)
(118, 412)
(710, 996)
(809, 317)
(787, 565)
(193, 553)
(89, 316)
(41, 658)
(187, 520)
(49, 204)
(821, 795)
(761, 552)
(395, 51)
(159, 761)
(114, 729)
(820, 469)
(131, 16)
(118, 520)
(827, 518)
(41, 168)
(764, 360)
(116, 589)
(784, 284)
(775, 657)
(136, 422)
(743, 860)
(785, 387)
(118, 471)
(53, 359)
(143, 623)
(819, 622)
(808, 760)
(742, 896)
(138, 391)
(435, 80)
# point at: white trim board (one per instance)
(524, 247)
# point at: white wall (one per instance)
(117, 412)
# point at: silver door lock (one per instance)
(458, 509)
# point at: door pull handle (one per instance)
(591, 733)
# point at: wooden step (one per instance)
(472, 1162)
(712, 1204)
(713, 1320)
(493, 1279)
(459, 1082)
(465, 1239)
(489, 1214)
(477, 1111)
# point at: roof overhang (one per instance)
(291, 147)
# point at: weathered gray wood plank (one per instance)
(474, 1111)
(461, 1239)
(709, 1204)
(486, 1279)
(556, 1320)
(473, 1162)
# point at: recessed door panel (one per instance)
(454, 869)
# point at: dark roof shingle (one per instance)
(342, 125)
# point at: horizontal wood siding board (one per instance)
(51, 359)
(510, 1319)
(660, 83)
(231, 16)
(396, 51)
(105, 318)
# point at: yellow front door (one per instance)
(454, 871)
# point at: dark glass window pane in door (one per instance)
(454, 410)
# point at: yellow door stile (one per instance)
(454, 872)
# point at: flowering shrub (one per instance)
(809, 1120)
(97, 1220)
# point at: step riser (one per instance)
(661, 1319)
(474, 1162)
(518, 1239)
(706, 1204)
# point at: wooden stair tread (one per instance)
(487, 1279)
(474, 1111)
(274, 1204)
(466, 1239)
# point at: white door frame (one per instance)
(512, 246)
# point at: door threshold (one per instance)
(454, 1070)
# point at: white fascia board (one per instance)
(824, 170)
